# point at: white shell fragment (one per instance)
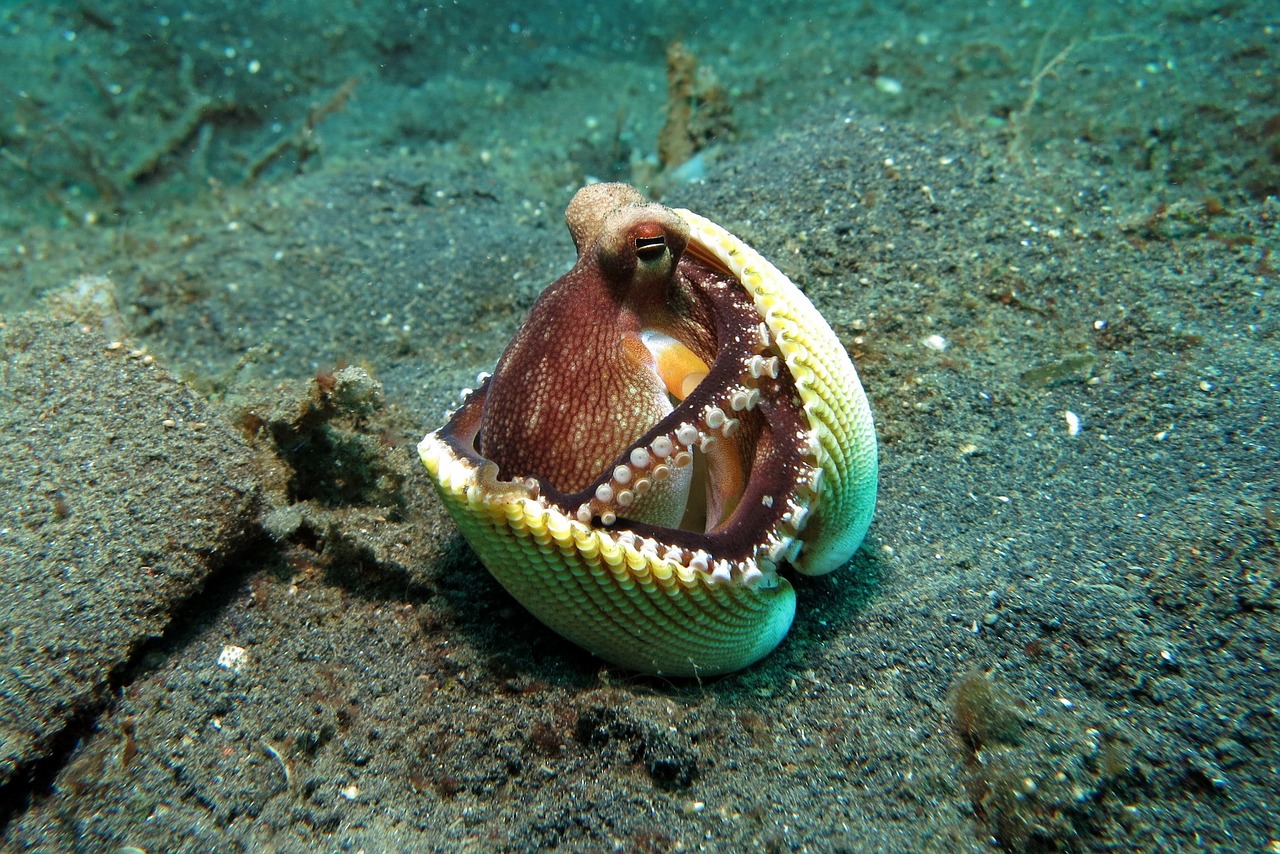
(232, 657)
(1073, 422)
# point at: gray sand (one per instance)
(1055, 640)
(263, 633)
(124, 494)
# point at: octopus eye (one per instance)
(650, 247)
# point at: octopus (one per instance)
(672, 429)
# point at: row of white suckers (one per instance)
(675, 450)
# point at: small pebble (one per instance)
(889, 85)
(1073, 423)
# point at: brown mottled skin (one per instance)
(577, 386)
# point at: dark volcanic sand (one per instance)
(1062, 641)
(1049, 642)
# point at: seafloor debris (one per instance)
(333, 460)
(698, 110)
(302, 142)
(1037, 774)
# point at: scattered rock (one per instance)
(123, 494)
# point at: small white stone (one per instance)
(232, 657)
(1073, 422)
(889, 85)
(935, 342)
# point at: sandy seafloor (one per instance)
(237, 619)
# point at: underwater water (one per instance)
(250, 253)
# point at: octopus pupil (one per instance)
(650, 246)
